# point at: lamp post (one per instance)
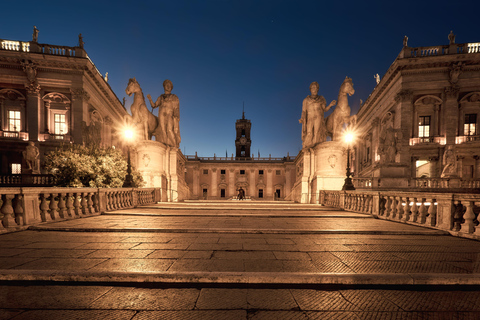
(128, 183)
(348, 185)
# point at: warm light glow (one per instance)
(349, 136)
(128, 134)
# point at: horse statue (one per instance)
(142, 117)
(341, 115)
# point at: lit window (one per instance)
(16, 168)
(424, 127)
(470, 126)
(14, 121)
(60, 125)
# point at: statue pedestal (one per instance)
(392, 176)
(324, 168)
(157, 163)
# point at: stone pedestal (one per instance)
(391, 176)
(324, 168)
(157, 163)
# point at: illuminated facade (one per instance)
(428, 102)
(52, 95)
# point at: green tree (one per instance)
(81, 166)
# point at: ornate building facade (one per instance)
(419, 126)
(220, 178)
(50, 95)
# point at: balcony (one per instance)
(424, 140)
(14, 135)
(463, 139)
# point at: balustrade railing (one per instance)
(456, 213)
(22, 207)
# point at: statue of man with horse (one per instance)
(165, 127)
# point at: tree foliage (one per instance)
(80, 166)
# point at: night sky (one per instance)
(221, 55)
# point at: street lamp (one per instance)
(128, 183)
(348, 185)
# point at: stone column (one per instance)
(79, 98)
(231, 183)
(269, 192)
(288, 183)
(214, 184)
(196, 182)
(252, 184)
(475, 167)
(405, 106)
(436, 120)
(32, 114)
(451, 114)
(172, 173)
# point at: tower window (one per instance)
(205, 171)
(242, 171)
(222, 171)
(278, 172)
(470, 126)
(260, 193)
(260, 172)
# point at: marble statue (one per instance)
(341, 114)
(449, 162)
(451, 37)
(35, 34)
(106, 77)
(405, 41)
(80, 41)
(312, 119)
(31, 155)
(377, 78)
(168, 104)
(387, 141)
(142, 117)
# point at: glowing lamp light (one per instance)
(349, 137)
(128, 134)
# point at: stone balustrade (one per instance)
(21, 207)
(456, 213)
(35, 47)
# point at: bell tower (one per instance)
(242, 141)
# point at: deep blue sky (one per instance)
(220, 54)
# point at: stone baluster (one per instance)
(53, 207)
(76, 204)
(108, 196)
(124, 199)
(96, 202)
(18, 209)
(457, 216)
(83, 202)
(431, 219)
(393, 214)
(388, 206)
(400, 209)
(61, 206)
(44, 208)
(91, 210)
(422, 212)
(370, 204)
(69, 205)
(8, 219)
(414, 210)
(468, 226)
(406, 210)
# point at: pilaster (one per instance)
(451, 114)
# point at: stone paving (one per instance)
(210, 261)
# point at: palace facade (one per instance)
(419, 126)
(50, 95)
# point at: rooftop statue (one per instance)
(168, 104)
(405, 41)
(377, 78)
(142, 117)
(35, 34)
(341, 114)
(451, 37)
(313, 119)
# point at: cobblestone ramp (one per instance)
(173, 262)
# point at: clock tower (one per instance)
(242, 141)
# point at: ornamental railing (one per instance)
(456, 213)
(21, 207)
